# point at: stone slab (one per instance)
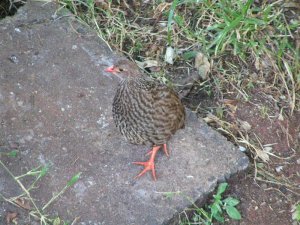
(55, 108)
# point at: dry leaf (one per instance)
(295, 5)
(22, 202)
(101, 4)
(280, 117)
(257, 63)
(202, 65)
(11, 217)
(147, 63)
(244, 125)
(263, 155)
(160, 8)
(155, 69)
(268, 148)
(208, 119)
(232, 104)
(170, 55)
(230, 101)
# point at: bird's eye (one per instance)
(121, 69)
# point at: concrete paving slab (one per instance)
(55, 108)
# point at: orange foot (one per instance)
(149, 165)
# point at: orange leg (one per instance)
(149, 165)
(165, 150)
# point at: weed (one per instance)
(214, 211)
(12, 153)
(296, 212)
(264, 111)
(22, 200)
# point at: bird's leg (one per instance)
(165, 150)
(149, 165)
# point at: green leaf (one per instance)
(254, 21)
(44, 171)
(216, 27)
(215, 208)
(12, 153)
(231, 201)
(169, 195)
(222, 187)
(179, 20)
(56, 221)
(247, 6)
(260, 165)
(296, 212)
(189, 55)
(218, 217)
(233, 213)
(74, 179)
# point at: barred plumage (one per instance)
(147, 112)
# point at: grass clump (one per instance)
(235, 35)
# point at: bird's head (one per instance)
(116, 69)
(124, 69)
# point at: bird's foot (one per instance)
(149, 165)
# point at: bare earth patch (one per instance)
(262, 202)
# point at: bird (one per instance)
(145, 111)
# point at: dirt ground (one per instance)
(263, 202)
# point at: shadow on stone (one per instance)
(9, 8)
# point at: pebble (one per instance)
(279, 169)
(14, 59)
(264, 186)
(242, 149)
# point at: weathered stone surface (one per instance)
(55, 108)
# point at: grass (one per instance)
(255, 35)
(25, 199)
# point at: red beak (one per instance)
(110, 69)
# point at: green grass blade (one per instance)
(170, 20)
(74, 179)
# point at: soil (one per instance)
(261, 202)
